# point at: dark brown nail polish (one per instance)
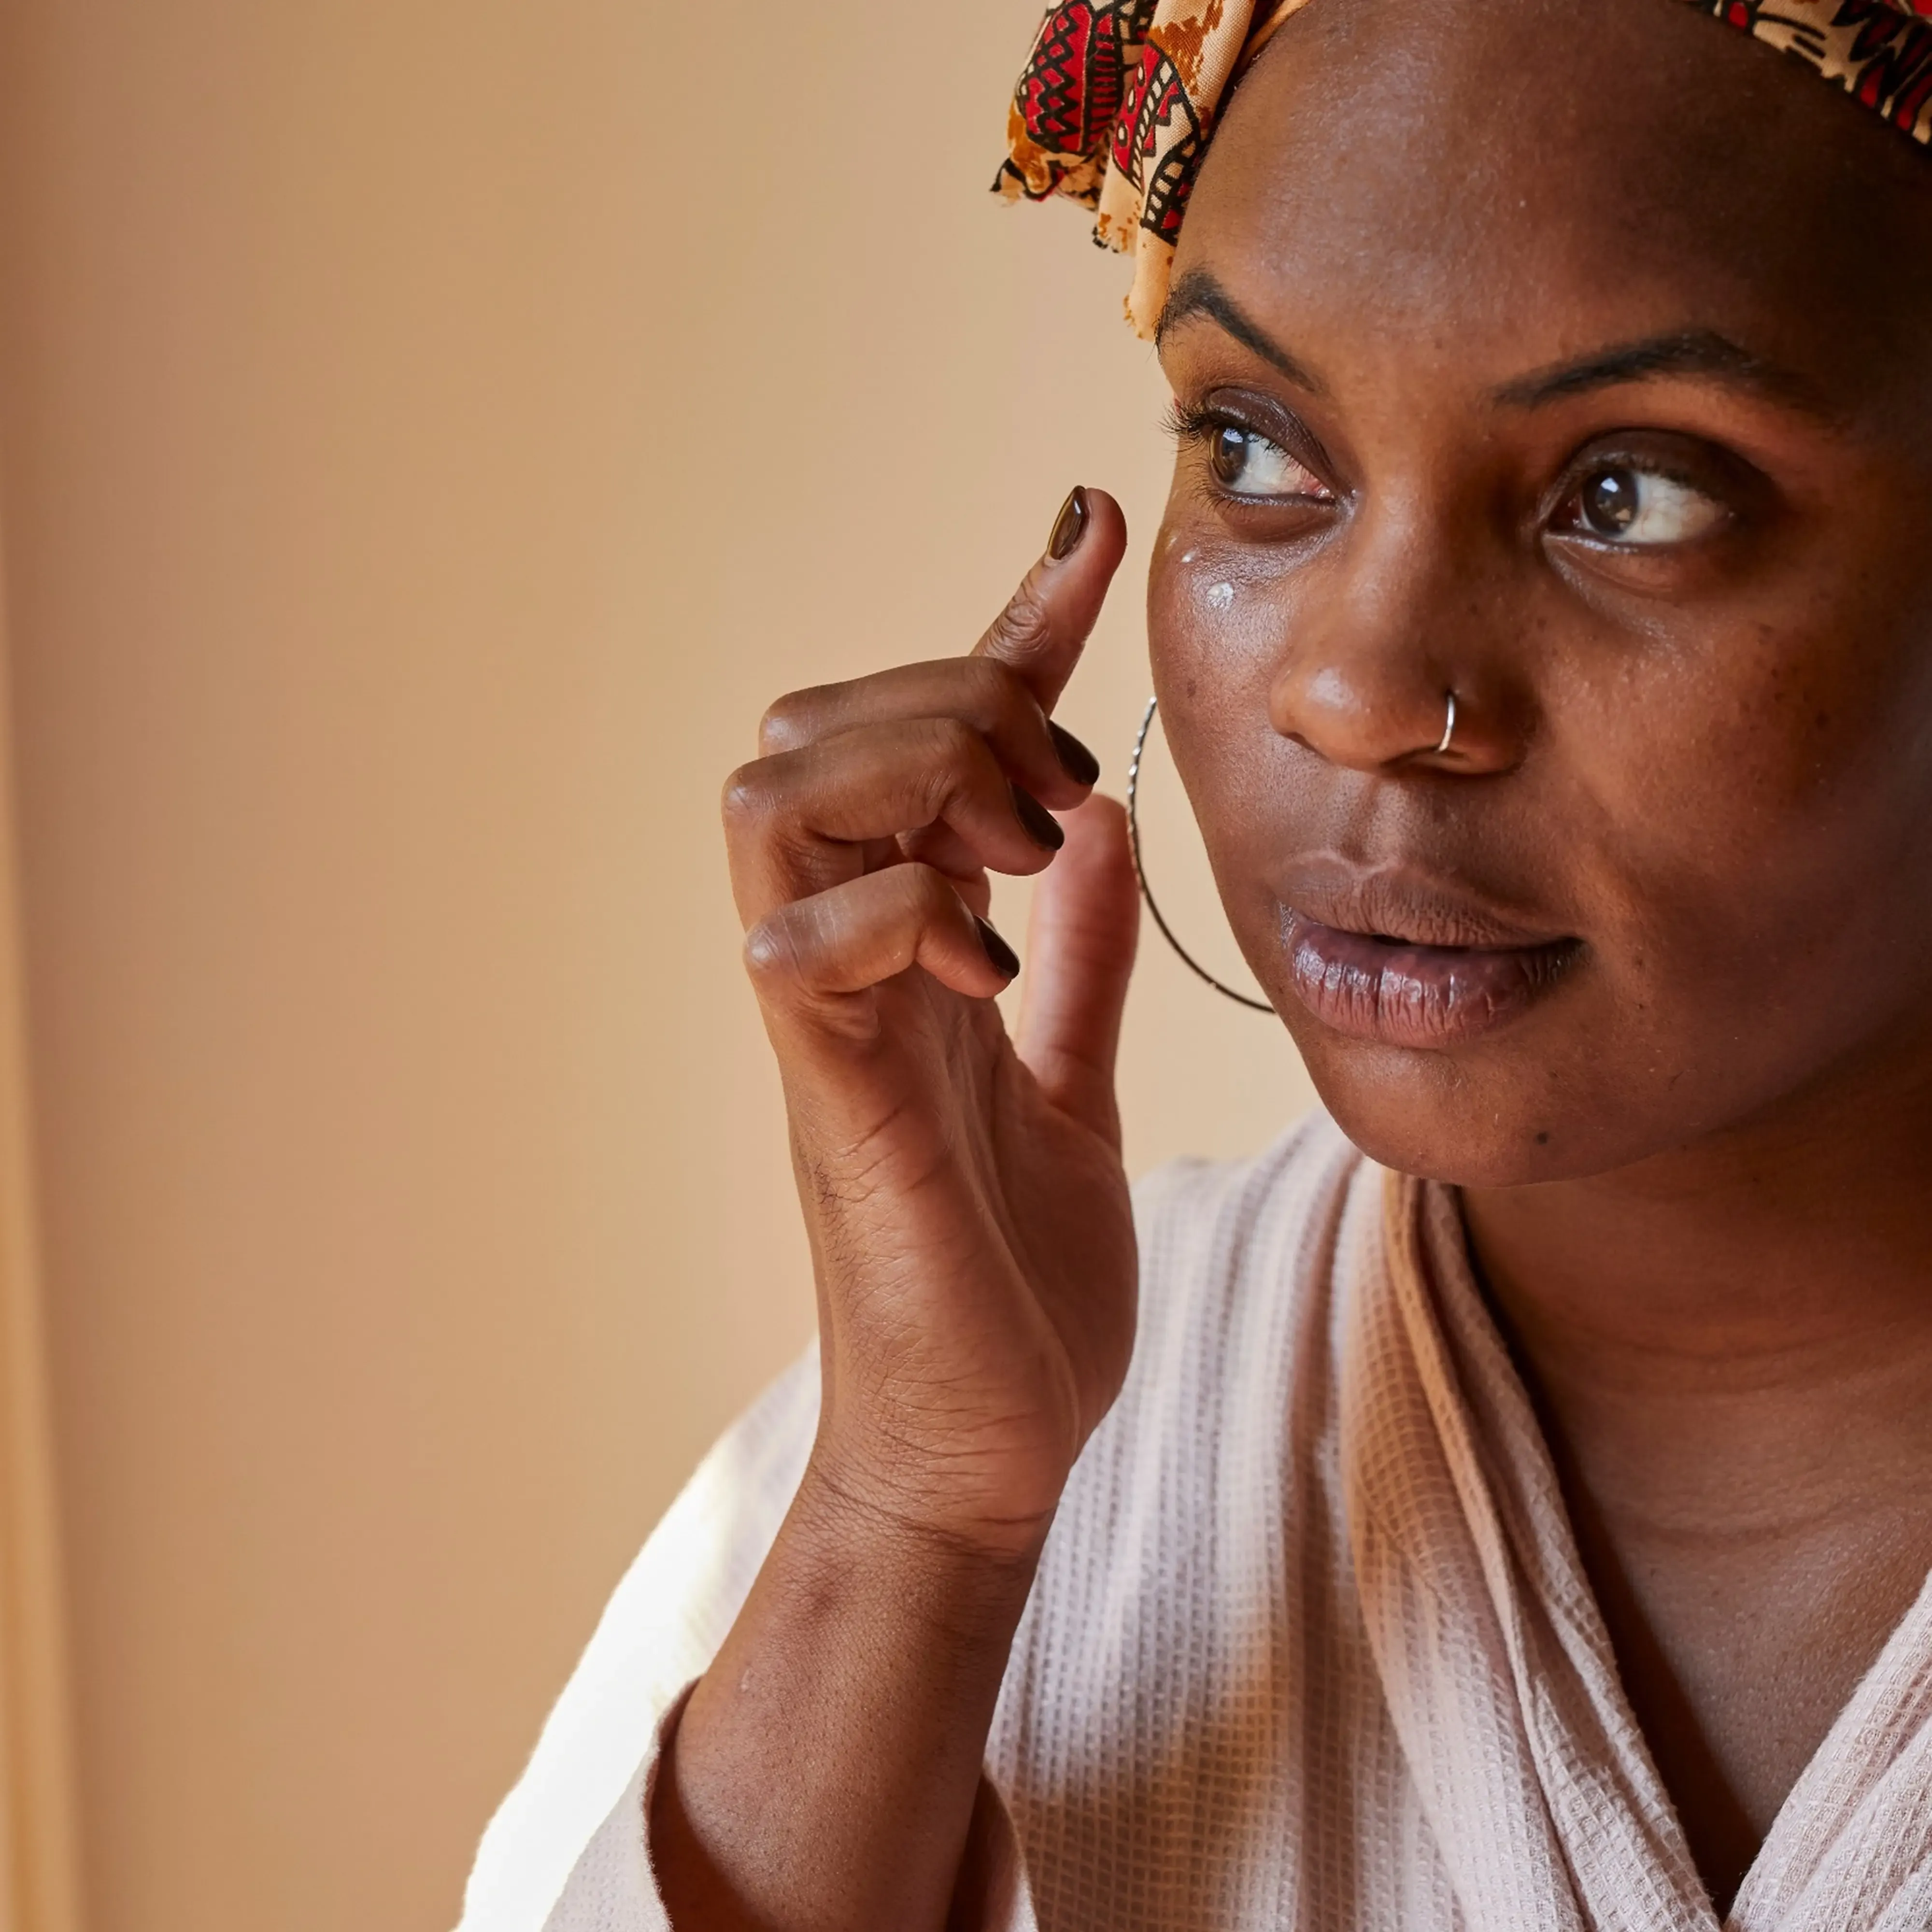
(1042, 827)
(1004, 958)
(1069, 526)
(1075, 760)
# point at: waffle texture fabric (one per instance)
(1311, 1645)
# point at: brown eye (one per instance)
(1228, 454)
(1246, 464)
(1609, 502)
(1636, 509)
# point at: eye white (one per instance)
(1643, 508)
(1250, 465)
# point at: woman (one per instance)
(1510, 1504)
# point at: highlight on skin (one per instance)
(1640, 482)
(1569, 361)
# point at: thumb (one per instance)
(1080, 944)
(1040, 633)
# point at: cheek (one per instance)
(1215, 637)
(1761, 803)
(1737, 820)
(1212, 620)
(1744, 830)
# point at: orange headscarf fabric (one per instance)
(1119, 98)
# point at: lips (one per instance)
(1404, 965)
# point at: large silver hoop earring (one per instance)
(1187, 959)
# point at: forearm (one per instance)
(973, 1245)
(823, 1774)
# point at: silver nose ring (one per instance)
(1448, 727)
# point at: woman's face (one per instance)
(1577, 360)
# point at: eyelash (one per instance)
(1187, 423)
(1191, 424)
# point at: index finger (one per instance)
(1041, 632)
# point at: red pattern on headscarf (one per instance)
(1119, 98)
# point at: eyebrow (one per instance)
(1690, 351)
(1198, 293)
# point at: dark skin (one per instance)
(1446, 271)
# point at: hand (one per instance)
(973, 1246)
(966, 1207)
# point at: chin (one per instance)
(1427, 1114)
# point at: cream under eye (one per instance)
(1625, 504)
(1247, 463)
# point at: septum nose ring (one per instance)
(1448, 727)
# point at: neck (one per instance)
(1731, 1346)
(1756, 1308)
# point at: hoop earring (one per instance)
(1187, 959)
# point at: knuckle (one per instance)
(930, 896)
(958, 768)
(746, 796)
(1014, 711)
(771, 951)
(952, 740)
(948, 757)
(994, 691)
(1024, 625)
(788, 720)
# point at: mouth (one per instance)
(1414, 970)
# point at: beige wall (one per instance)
(429, 433)
(39, 1865)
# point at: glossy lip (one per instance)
(1391, 958)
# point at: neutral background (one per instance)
(429, 433)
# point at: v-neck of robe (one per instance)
(1457, 1526)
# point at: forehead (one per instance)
(1512, 181)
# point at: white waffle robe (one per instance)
(1310, 1647)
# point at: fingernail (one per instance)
(1042, 827)
(1004, 958)
(1075, 760)
(1069, 526)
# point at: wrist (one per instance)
(939, 1470)
(825, 1768)
(931, 1545)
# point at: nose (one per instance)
(1393, 662)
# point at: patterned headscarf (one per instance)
(1119, 98)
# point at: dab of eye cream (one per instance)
(1220, 596)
